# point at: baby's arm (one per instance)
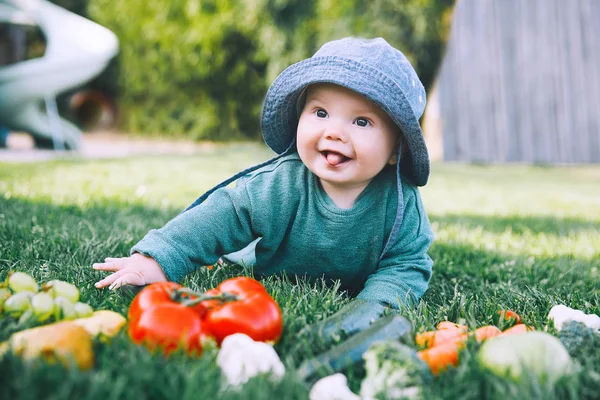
(135, 270)
(403, 273)
(218, 226)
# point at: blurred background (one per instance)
(506, 80)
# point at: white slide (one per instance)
(77, 50)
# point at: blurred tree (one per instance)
(200, 68)
(418, 28)
(187, 66)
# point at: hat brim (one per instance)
(279, 120)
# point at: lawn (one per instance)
(508, 237)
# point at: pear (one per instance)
(63, 342)
(103, 322)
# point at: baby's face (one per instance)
(343, 138)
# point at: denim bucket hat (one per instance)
(370, 67)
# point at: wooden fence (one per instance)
(520, 82)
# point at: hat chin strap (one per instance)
(239, 175)
(399, 210)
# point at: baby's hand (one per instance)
(135, 270)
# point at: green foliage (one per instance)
(417, 27)
(201, 68)
(186, 66)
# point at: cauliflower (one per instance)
(241, 358)
(332, 387)
(393, 371)
(561, 314)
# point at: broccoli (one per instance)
(579, 339)
(393, 371)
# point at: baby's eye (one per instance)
(321, 113)
(362, 122)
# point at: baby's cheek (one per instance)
(371, 147)
(377, 155)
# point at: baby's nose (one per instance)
(334, 131)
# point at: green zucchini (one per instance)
(350, 351)
(354, 317)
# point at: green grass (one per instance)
(516, 237)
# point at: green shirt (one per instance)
(304, 233)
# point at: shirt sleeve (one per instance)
(220, 225)
(403, 274)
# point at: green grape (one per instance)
(42, 306)
(83, 310)
(18, 303)
(64, 289)
(22, 282)
(4, 294)
(64, 309)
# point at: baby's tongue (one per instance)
(335, 158)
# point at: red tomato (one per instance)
(161, 316)
(255, 313)
(150, 296)
(169, 326)
(158, 319)
(158, 293)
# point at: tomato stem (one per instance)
(223, 297)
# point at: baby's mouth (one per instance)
(333, 158)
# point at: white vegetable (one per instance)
(536, 353)
(241, 358)
(561, 314)
(332, 387)
(393, 372)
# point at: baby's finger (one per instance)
(108, 280)
(110, 264)
(118, 283)
(116, 259)
(129, 278)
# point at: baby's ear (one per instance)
(400, 143)
(403, 146)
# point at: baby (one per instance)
(339, 201)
